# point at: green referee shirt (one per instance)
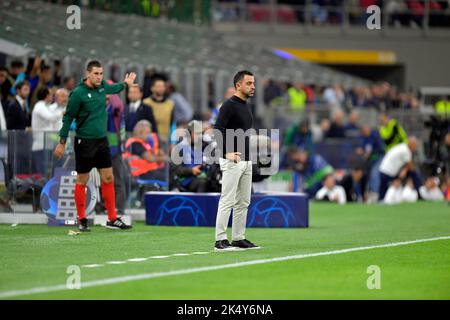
(88, 107)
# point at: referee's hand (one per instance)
(233, 156)
(129, 79)
(59, 150)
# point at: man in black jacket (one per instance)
(136, 110)
(18, 118)
(17, 114)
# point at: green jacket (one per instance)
(88, 107)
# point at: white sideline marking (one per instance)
(180, 254)
(158, 257)
(144, 276)
(116, 262)
(92, 265)
(201, 252)
(137, 259)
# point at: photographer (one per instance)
(192, 174)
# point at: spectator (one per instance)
(309, 170)
(43, 119)
(18, 112)
(331, 192)
(163, 109)
(442, 107)
(17, 75)
(352, 128)
(271, 91)
(409, 193)
(334, 96)
(136, 110)
(183, 111)
(394, 194)
(299, 135)
(3, 126)
(60, 104)
(69, 83)
(430, 190)
(372, 150)
(397, 194)
(146, 161)
(391, 132)
(397, 163)
(320, 131)
(191, 175)
(5, 86)
(228, 94)
(354, 183)
(116, 135)
(44, 78)
(17, 68)
(297, 97)
(337, 129)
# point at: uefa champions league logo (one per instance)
(180, 210)
(271, 212)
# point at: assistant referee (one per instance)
(87, 105)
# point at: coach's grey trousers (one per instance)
(236, 193)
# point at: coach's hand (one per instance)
(129, 79)
(59, 150)
(233, 156)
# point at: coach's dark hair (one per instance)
(20, 84)
(93, 64)
(240, 75)
(42, 93)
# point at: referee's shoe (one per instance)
(117, 224)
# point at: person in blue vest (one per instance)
(191, 174)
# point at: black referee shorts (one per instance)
(91, 153)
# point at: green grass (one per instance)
(36, 256)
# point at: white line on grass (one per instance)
(137, 259)
(145, 276)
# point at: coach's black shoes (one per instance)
(83, 225)
(244, 244)
(223, 245)
(117, 224)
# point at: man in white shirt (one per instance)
(430, 190)
(394, 193)
(59, 106)
(43, 119)
(397, 162)
(398, 194)
(331, 192)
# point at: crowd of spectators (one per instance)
(408, 13)
(141, 124)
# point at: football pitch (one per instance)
(408, 245)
